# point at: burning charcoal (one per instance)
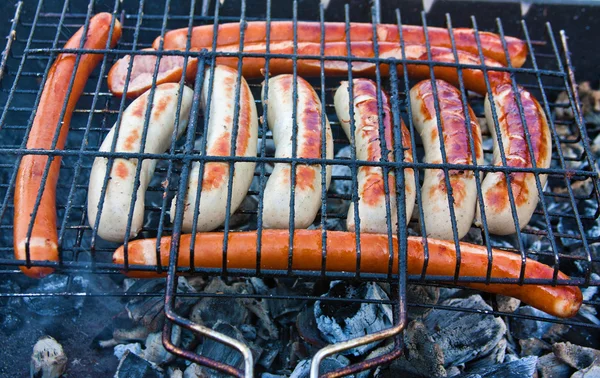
(220, 352)
(534, 347)
(520, 368)
(578, 357)
(175, 373)
(148, 311)
(155, 352)
(340, 322)
(121, 349)
(328, 364)
(522, 328)
(422, 357)
(507, 304)
(48, 359)
(464, 336)
(55, 305)
(549, 366)
(209, 310)
(134, 366)
(496, 356)
(421, 294)
(592, 371)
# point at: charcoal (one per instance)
(592, 371)
(307, 328)
(220, 352)
(549, 366)
(148, 311)
(134, 366)
(340, 322)
(267, 329)
(155, 352)
(282, 307)
(48, 359)
(422, 357)
(120, 350)
(55, 305)
(9, 322)
(328, 364)
(192, 371)
(269, 375)
(421, 294)
(522, 328)
(534, 347)
(387, 348)
(267, 358)
(521, 368)
(9, 286)
(464, 336)
(249, 331)
(507, 304)
(174, 373)
(496, 356)
(209, 310)
(578, 357)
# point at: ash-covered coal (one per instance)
(54, 304)
(328, 364)
(48, 359)
(521, 368)
(344, 321)
(134, 366)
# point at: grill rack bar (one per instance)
(30, 54)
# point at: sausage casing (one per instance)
(307, 190)
(456, 141)
(119, 190)
(213, 197)
(371, 186)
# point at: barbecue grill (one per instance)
(35, 38)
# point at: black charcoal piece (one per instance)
(523, 328)
(549, 366)
(422, 357)
(578, 357)
(209, 310)
(307, 328)
(9, 322)
(134, 366)
(421, 294)
(56, 305)
(328, 364)
(345, 321)
(464, 336)
(496, 356)
(534, 347)
(522, 368)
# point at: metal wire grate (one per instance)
(39, 34)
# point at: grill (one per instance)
(35, 38)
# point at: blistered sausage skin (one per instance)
(119, 190)
(213, 197)
(563, 301)
(494, 187)
(276, 208)
(282, 31)
(436, 208)
(42, 243)
(254, 67)
(371, 186)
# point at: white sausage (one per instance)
(276, 210)
(213, 197)
(119, 191)
(494, 188)
(371, 187)
(434, 194)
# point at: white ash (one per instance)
(343, 322)
(328, 364)
(522, 328)
(592, 371)
(48, 359)
(507, 304)
(154, 350)
(578, 357)
(134, 366)
(534, 347)
(121, 349)
(549, 366)
(422, 357)
(519, 368)
(175, 373)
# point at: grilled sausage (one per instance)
(119, 190)
(494, 188)
(436, 209)
(283, 31)
(473, 78)
(563, 301)
(213, 196)
(42, 243)
(371, 189)
(276, 208)
(142, 71)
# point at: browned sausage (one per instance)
(43, 241)
(563, 301)
(474, 79)
(281, 31)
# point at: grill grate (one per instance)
(38, 35)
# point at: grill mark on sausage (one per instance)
(160, 108)
(140, 108)
(215, 174)
(121, 170)
(131, 140)
(497, 196)
(305, 177)
(459, 189)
